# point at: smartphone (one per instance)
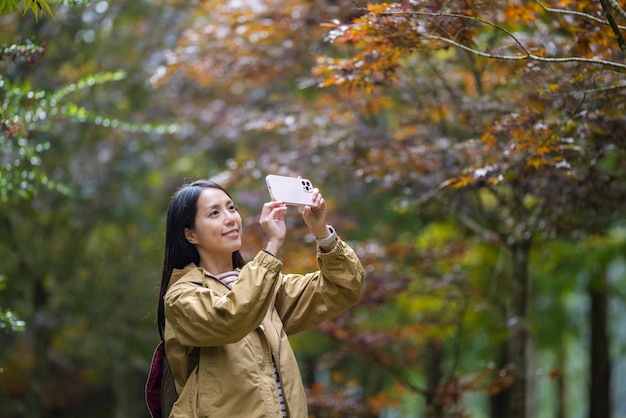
(291, 190)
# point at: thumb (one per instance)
(306, 212)
(307, 215)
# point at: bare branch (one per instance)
(468, 17)
(575, 13)
(471, 224)
(618, 10)
(607, 11)
(605, 89)
(358, 6)
(530, 56)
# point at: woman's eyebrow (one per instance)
(217, 205)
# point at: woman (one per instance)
(239, 314)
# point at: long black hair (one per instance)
(181, 214)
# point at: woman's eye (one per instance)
(214, 213)
(233, 207)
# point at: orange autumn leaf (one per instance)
(525, 14)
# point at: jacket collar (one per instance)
(189, 273)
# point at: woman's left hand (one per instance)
(315, 216)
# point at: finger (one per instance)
(316, 197)
(272, 211)
(274, 204)
(320, 204)
(278, 214)
(270, 206)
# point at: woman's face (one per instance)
(218, 224)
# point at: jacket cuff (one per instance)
(335, 253)
(269, 261)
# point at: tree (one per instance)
(15, 153)
(51, 189)
(534, 170)
(449, 160)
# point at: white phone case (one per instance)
(291, 190)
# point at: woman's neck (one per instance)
(217, 265)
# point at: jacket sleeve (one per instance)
(202, 317)
(305, 301)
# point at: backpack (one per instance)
(160, 388)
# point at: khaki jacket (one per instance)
(240, 330)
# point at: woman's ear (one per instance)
(191, 236)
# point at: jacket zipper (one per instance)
(277, 363)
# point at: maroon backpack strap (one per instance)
(153, 384)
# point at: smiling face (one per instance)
(217, 229)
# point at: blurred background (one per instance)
(471, 152)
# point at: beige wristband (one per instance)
(325, 242)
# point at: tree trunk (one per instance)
(434, 377)
(560, 383)
(42, 338)
(518, 331)
(499, 401)
(600, 363)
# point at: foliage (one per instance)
(35, 188)
(28, 109)
(37, 7)
(545, 132)
(497, 114)
(444, 135)
(8, 321)
(535, 159)
(10, 177)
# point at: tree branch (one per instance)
(486, 234)
(607, 11)
(618, 10)
(575, 13)
(527, 54)
(530, 56)
(601, 90)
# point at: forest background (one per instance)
(472, 152)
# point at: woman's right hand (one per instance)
(272, 221)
